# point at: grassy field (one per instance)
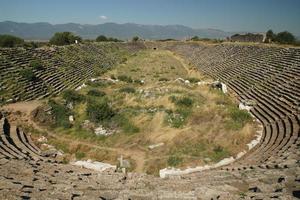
(148, 105)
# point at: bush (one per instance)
(36, 64)
(113, 77)
(125, 78)
(102, 38)
(98, 111)
(61, 114)
(182, 101)
(178, 118)
(195, 38)
(135, 39)
(174, 160)
(238, 118)
(79, 155)
(96, 93)
(30, 45)
(219, 153)
(127, 90)
(28, 74)
(72, 96)
(64, 38)
(10, 41)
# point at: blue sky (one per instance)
(228, 15)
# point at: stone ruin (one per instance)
(271, 170)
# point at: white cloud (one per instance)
(103, 17)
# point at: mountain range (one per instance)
(44, 31)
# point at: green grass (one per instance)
(79, 155)
(178, 118)
(174, 160)
(125, 124)
(238, 118)
(60, 145)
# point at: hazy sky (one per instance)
(228, 15)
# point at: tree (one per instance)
(10, 41)
(195, 38)
(101, 38)
(135, 38)
(285, 37)
(270, 36)
(28, 74)
(36, 64)
(98, 111)
(64, 38)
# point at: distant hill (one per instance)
(43, 31)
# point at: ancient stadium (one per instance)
(109, 110)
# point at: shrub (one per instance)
(30, 45)
(96, 93)
(238, 118)
(178, 118)
(195, 38)
(28, 74)
(113, 77)
(184, 101)
(72, 96)
(174, 160)
(36, 64)
(135, 39)
(64, 38)
(98, 111)
(10, 41)
(219, 153)
(101, 38)
(127, 90)
(79, 155)
(61, 114)
(125, 78)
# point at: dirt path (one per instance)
(182, 61)
(25, 107)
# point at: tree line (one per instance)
(59, 39)
(284, 37)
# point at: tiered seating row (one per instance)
(269, 76)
